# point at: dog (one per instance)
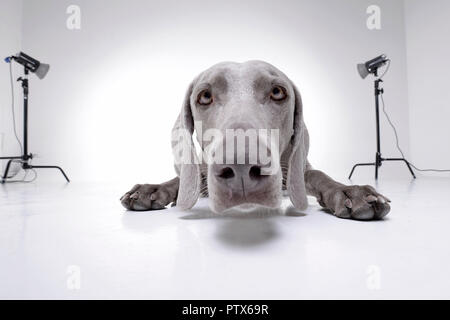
(246, 96)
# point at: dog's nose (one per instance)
(245, 160)
(241, 177)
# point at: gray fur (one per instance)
(241, 101)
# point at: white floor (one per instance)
(76, 241)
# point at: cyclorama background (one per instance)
(105, 110)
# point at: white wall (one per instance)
(428, 54)
(106, 108)
(10, 43)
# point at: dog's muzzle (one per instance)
(249, 173)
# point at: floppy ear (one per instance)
(297, 160)
(186, 160)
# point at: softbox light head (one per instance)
(371, 66)
(42, 70)
(30, 64)
(362, 70)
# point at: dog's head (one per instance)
(248, 122)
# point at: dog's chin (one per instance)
(222, 198)
(245, 206)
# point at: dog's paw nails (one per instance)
(348, 203)
(383, 199)
(357, 202)
(380, 199)
(147, 197)
(371, 198)
(135, 195)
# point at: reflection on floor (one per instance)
(76, 241)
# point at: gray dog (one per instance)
(252, 95)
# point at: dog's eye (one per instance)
(278, 93)
(205, 98)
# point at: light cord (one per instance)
(398, 144)
(24, 177)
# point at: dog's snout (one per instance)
(226, 173)
(255, 173)
(244, 168)
(240, 171)
(240, 177)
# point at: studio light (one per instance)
(40, 69)
(30, 64)
(371, 66)
(364, 69)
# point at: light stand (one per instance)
(25, 157)
(378, 159)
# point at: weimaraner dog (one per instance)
(250, 95)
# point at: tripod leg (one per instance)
(406, 162)
(376, 171)
(410, 169)
(351, 172)
(50, 167)
(5, 175)
(358, 165)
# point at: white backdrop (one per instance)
(10, 43)
(115, 86)
(428, 52)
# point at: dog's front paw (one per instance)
(357, 202)
(148, 197)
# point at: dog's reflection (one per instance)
(247, 232)
(236, 227)
(245, 227)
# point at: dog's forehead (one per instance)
(234, 72)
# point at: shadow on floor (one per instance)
(246, 233)
(239, 228)
(236, 228)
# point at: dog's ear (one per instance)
(186, 160)
(297, 160)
